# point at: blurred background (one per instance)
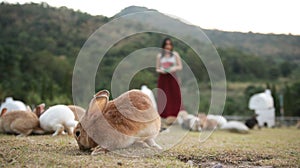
(39, 44)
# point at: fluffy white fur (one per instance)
(220, 119)
(235, 126)
(149, 93)
(13, 105)
(57, 119)
(188, 121)
(194, 123)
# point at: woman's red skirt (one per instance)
(168, 95)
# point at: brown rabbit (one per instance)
(78, 111)
(39, 109)
(119, 123)
(207, 124)
(22, 123)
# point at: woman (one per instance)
(168, 96)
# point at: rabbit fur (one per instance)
(78, 111)
(188, 121)
(57, 119)
(19, 122)
(119, 123)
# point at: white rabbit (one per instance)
(235, 126)
(149, 92)
(57, 119)
(188, 121)
(207, 124)
(220, 119)
(13, 105)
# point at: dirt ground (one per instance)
(260, 148)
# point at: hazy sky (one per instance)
(264, 16)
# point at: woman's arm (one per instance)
(178, 66)
(158, 70)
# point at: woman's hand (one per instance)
(161, 71)
(173, 69)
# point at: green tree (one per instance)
(286, 68)
(295, 92)
(268, 86)
(274, 73)
(287, 101)
(276, 100)
(251, 90)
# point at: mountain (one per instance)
(132, 9)
(39, 45)
(279, 47)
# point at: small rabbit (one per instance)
(207, 124)
(13, 105)
(19, 122)
(78, 111)
(119, 123)
(39, 109)
(188, 121)
(235, 126)
(57, 119)
(218, 118)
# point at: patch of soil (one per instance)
(227, 158)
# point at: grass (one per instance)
(279, 147)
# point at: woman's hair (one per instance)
(164, 43)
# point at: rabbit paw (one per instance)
(152, 143)
(21, 135)
(59, 130)
(140, 144)
(98, 150)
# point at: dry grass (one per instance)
(266, 147)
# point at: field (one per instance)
(278, 147)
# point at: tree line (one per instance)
(39, 45)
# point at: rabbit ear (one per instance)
(101, 101)
(101, 93)
(4, 110)
(97, 105)
(39, 109)
(28, 108)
